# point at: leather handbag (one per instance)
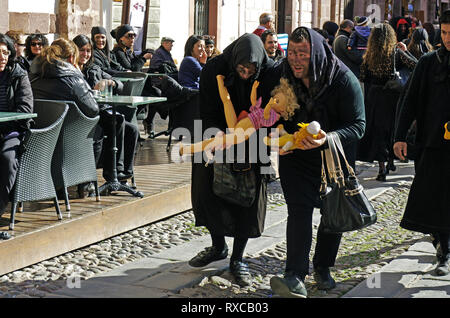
(235, 183)
(345, 206)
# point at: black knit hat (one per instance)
(97, 30)
(121, 30)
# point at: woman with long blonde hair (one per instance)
(383, 58)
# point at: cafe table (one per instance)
(130, 101)
(10, 116)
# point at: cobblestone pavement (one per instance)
(361, 253)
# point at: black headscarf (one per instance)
(248, 48)
(323, 68)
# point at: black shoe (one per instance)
(291, 286)
(5, 236)
(241, 273)
(391, 166)
(122, 176)
(323, 278)
(208, 255)
(443, 267)
(381, 177)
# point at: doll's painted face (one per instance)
(279, 103)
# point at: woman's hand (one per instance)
(203, 57)
(402, 46)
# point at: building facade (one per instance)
(226, 20)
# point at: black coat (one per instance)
(427, 102)
(19, 98)
(335, 100)
(381, 106)
(62, 81)
(94, 74)
(128, 59)
(220, 217)
(351, 58)
(107, 63)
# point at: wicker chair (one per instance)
(34, 181)
(132, 87)
(73, 161)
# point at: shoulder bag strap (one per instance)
(338, 143)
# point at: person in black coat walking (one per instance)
(427, 102)
(15, 96)
(327, 92)
(380, 101)
(351, 58)
(242, 62)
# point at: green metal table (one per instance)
(9, 116)
(130, 101)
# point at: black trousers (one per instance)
(8, 168)
(299, 239)
(126, 140)
(300, 180)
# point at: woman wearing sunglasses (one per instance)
(123, 50)
(34, 44)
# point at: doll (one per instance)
(283, 103)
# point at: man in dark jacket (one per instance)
(16, 96)
(351, 58)
(242, 62)
(427, 101)
(162, 61)
(329, 93)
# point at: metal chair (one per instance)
(73, 161)
(34, 181)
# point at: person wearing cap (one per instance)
(123, 51)
(359, 38)
(19, 45)
(102, 55)
(162, 61)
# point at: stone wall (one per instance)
(77, 17)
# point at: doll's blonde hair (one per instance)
(291, 100)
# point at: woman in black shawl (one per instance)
(242, 62)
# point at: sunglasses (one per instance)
(131, 35)
(36, 44)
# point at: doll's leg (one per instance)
(194, 148)
(230, 113)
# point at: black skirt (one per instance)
(428, 206)
(380, 107)
(220, 217)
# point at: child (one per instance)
(358, 39)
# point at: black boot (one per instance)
(323, 278)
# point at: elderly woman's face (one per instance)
(100, 41)
(4, 56)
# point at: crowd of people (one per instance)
(371, 85)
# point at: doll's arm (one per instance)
(230, 113)
(447, 131)
(253, 97)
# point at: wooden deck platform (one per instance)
(39, 235)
